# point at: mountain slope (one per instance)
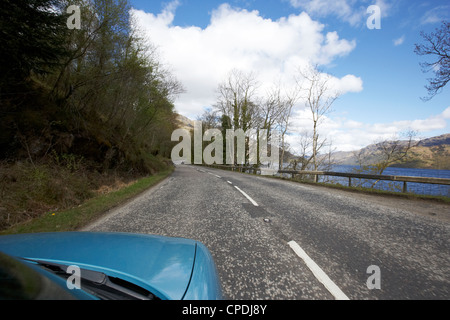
(431, 153)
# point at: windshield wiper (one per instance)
(99, 284)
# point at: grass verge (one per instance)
(75, 218)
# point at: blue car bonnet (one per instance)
(162, 265)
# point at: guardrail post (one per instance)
(405, 188)
(349, 181)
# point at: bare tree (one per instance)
(209, 119)
(269, 111)
(387, 153)
(237, 95)
(437, 44)
(237, 101)
(286, 105)
(395, 150)
(303, 158)
(319, 98)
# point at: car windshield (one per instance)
(99, 284)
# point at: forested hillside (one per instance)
(79, 108)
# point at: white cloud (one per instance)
(446, 113)
(399, 41)
(348, 83)
(435, 15)
(240, 39)
(340, 8)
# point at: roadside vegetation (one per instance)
(81, 110)
(72, 217)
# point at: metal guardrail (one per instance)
(404, 179)
(350, 176)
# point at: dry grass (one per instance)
(28, 191)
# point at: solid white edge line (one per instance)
(247, 196)
(318, 272)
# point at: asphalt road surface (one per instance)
(275, 239)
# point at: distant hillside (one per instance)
(431, 153)
(435, 141)
(184, 122)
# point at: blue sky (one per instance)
(377, 70)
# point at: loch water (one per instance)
(418, 188)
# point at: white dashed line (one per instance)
(229, 182)
(247, 196)
(215, 175)
(318, 272)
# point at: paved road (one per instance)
(317, 243)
